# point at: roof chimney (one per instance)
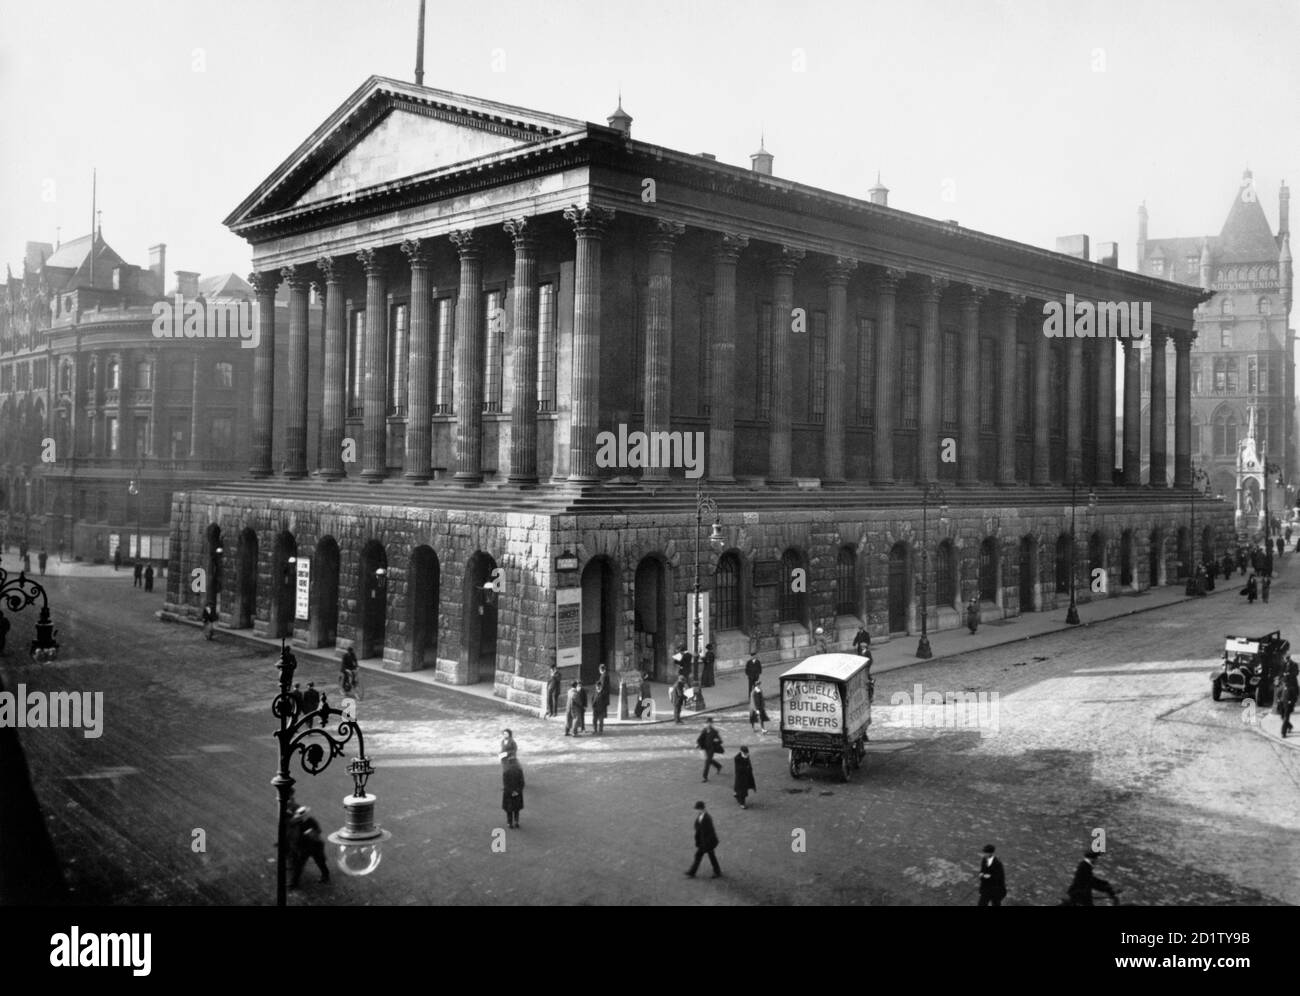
(1073, 245)
(1108, 254)
(761, 161)
(187, 284)
(158, 267)
(879, 193)
(620, 120)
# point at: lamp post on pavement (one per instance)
(1072, 615)
(932, 493)
(704, 504)
(1200, 485)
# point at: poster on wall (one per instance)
(568, 627)
(304, 588)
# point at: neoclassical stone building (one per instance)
(502, 286)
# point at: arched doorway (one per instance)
(1155, 558)
(1028, 572)
(652, 618)
(792, 592)
(900, 576)
(1184, 552)
(325, 593)
(424, 595)
(283, 581)
(599, 604)
(372, 597)
(480, 618)
(989, 570)
(246, 607)
(211, 597)
(1126, 578)
(1064, 565)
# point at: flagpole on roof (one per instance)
(419, 49)
(94, 181)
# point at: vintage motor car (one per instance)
(1250, 666)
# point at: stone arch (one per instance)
(424, 593)
(652, 622)
(283, 584)
(372, 599)
(599, 616)
(325, 593)
(246, 580)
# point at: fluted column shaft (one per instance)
(155, 404)
(334, 388)
(264, 372)
(659, 336)
(882, 471)
(927, 436)
(418, 462)
(968, 456)
(722, 400)
(779, 437)
(196, 407)
(1074, 413)
(295, 410)
(1159, 473)
(523, 407)
(1007, 375)
(589, 223)
(1042, 471)
(467, 393)
(374, 391)
(1183, 410)
(838, 271)
(1132, 414)
(1105, 411)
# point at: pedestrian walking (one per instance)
(861, 641)
(1281, 549)
(571, 719)
(643, 696)
(512, 790)
(993, 879)
(305, 842)
(348, 668)
(4, 631)
(1086, 883)
(710, 741)
(709, 659)
(678, 698)
(137, 575)
(117, 559)
(1288, 692)
(753, 670)
(583, 702)
(209, 620)
(311, 701)
(1288, 534)
(42, 558)
(1251, 590)
(757, 714)
(706, 842)
(744, 783)
(296, 695)
(1227, 566)
(508, 747)
(600, 701)
(1264, 586)
(973, 615)
(148, 578)
(553, 692)
(27, 562)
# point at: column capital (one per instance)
(1182, 343)
(588, 219)
(838, 269)
(665, 235)
(331, 268)
(1012, 302)
(264, 281)
(932, 286)
(1128, 346)
(418, 251)
(786, 261)
(370, 261)
(466, 243)
(1161, 334)
(887, 279)
(729, 246)
(296, 277)
(972, 296)
(522, 232)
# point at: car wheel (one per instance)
(1216, 689)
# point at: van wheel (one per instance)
(794, 766)
(846, 767)
(1216, 689)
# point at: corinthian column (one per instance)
(659, 336)
(782, 269)
(1132, 414)
(1007, 374)
(589, 224)
(927, 436)
(1159, 474)
(722, 401)
(417, 464)
(1042, 472)
(295, 411)
(467, 393)
(838, 270)
(374, 393)
(264, 284)
(1106, 411)
(968, 456)
(334, 388)
(1074, 413)
(523, 406)
(886, 366)
(1182, 409)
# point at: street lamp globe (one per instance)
(716, 539)
(360, 843)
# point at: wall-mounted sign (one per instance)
(766, 573)
(566, 562)
(303, 589)
(568, 626)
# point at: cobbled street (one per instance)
(1109, 727)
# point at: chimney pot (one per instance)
(1073, 245)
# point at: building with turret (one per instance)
(1244, 350)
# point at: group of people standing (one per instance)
(576, 702)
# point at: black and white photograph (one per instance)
(505, 454)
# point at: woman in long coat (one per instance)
(744, 783)
(512, 791)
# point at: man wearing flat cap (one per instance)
(993, 880)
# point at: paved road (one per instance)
(1109, 727)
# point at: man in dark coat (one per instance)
(678, 698)
(305, 842)
(757, 714)
(744, 783)
(1086, 883)
(137, 575)
(209, 620)
(117, 559)
(1227, 566)
(706, 841)
(512, 791)
(709, 741)
(753, 670)
(993, 879)
(582, 707)
(1251, 591)
(42, 558)
(973, 615)
(1281, 549)
(600, 701)
(148, 578)
(1288, 692)
(553, 692)
(311, 700)
(572, 711)
(643, 696)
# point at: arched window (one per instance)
(945, 585)
(1225, 306)
(989, 570)
(1265, 306)
(114, 376)
(846, 582)
(144, 375)
(1220, 375)
(224, 375)
(727, 586)
(1063, 563)
(792, 596)
(1252, 375)
(1196, 375)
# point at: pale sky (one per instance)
(990, 112)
